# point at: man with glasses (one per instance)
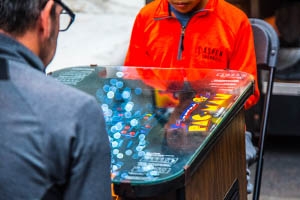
(53, 142)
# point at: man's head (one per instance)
(185, 6)
(34, 23)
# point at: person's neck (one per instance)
(182, 17)
(30, 40)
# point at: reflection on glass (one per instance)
(158, 120)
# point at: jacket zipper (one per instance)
(181, 42)
(181, 45)
(183, 28)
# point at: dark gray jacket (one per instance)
(53, 143)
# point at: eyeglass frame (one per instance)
(69, 12)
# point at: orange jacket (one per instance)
(217, 37)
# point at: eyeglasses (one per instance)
(67, 16)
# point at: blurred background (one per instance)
(99, 34)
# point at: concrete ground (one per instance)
(281, 171)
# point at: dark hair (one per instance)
(17, 16)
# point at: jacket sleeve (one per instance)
(136, 53)
(244, 58)
(90, 152)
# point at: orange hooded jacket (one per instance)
(217, 37)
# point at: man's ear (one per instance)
(45, 20)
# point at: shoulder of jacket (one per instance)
(230, 12)
(155, 9)
(232, 17)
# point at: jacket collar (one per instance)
(163, 10)
(11, 49)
